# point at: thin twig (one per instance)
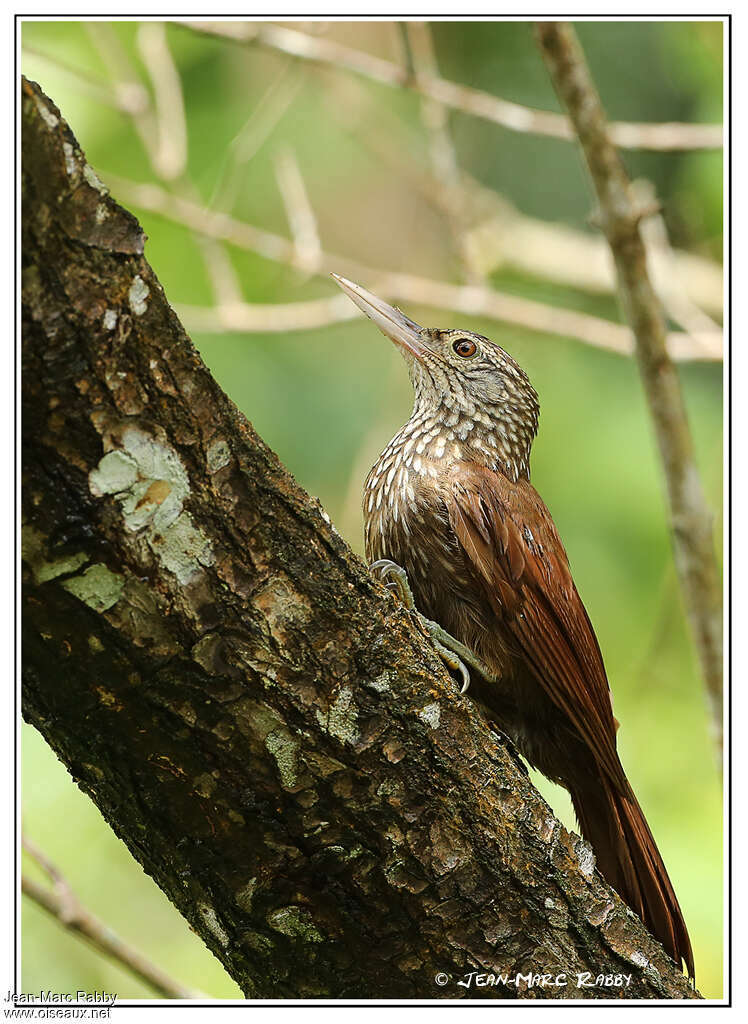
(61, 903)
(327, 52)
(500, 235)
(505, 236)
(467, 299)
(125, 83)
(163, 133)
(665, 277)
(132, 100)
(301, 219)
(619, 216)
(170, 156)
(262, 121)
(444, 163)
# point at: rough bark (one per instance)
(257, 719)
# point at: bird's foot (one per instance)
(454, 654)
(395, 578)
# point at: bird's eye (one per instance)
(464, 347)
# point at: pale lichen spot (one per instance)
(284, 750)
(110, 319)
(71, 164)
(431, 715)
(212, 923)
(139, 292)
(101, 213)
(115, 473)
(341, 719)
(585, 858)
(94, 644)
(183, 549)
(218, 456)
(155, 461)
(98, 587)
(94, 180)
(51, 120)
(380, 683)
(296, 923)
(150, 482)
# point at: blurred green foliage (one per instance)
(328, 400)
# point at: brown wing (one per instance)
(514, 549)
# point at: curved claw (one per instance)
(385, 567)
(465, 676)
(449, 656)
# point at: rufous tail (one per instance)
(628, 858)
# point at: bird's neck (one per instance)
(442, 437)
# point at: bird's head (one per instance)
(463, 381)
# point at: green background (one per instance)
(328, 400)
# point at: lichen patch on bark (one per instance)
(296, 923)
(97, 587)
(285, 750)
(149, 481)
(139, 292)
(212, 923)
(341, 719)
(431, 715)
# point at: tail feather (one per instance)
(628, 858)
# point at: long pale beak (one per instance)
(399, 328)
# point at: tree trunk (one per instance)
(255, 717)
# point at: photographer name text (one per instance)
(48, 998)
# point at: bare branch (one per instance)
(691, 517)
(500, 235)
(515, 117)
(170, 157)
(665, 276)
(130, 100)
(265, 116)
(126, 84)
(468, 299)
(163, 132)
(446, 171)
(62, 904)
(301, 219)
(507, 237)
